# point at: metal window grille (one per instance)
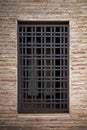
(43, 68)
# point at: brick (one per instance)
(74, 11)
(70, 0)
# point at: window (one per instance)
(43, 67)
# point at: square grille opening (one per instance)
(43, 67)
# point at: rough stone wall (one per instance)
(74, 11)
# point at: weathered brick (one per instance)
(74, 11)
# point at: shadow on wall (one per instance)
(47, 128)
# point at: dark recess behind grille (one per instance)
(43, 67)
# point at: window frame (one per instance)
(46, 23)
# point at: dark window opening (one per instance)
(43, 68)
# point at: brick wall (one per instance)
(74, 11)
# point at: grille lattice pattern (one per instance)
(43, 67)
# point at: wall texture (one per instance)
(74, 11)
